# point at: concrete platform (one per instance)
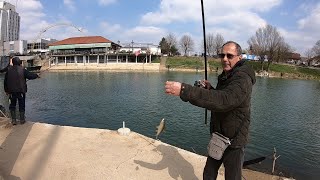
(41, 151)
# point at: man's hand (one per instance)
(173, 88)
(207, 84)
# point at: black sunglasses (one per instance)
(229, 56)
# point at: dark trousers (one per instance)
(21, 98)
(232, 160)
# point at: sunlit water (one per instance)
(285, 113)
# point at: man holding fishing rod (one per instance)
(229, 104)
(16, 87)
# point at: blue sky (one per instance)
(148, 21)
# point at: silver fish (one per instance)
(160, 128)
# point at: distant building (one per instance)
(9, 29)
(9, 22)
(98, 50)
(40, 45)
(144, 48)
(251, 57)
(15, 47)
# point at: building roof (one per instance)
(81, 40)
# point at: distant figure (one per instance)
(16, 87)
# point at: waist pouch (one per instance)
(217, 145)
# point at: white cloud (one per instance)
(190, 10)
(307, 32)
(235, 20)
(144, 34)
(70, 5)
(173, 10)
(312, 21)
(32, 18)
(106, 2)
(110, 28)
(35, 24)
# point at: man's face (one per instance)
(229, 56)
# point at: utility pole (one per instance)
(132, 45)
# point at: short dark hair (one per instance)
(238, 47)
(16, 61)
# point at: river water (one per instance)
(285, 113)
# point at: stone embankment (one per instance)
(44, 151)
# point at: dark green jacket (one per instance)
(229, 103)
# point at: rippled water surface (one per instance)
(285, 113)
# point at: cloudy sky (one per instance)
(150, 20)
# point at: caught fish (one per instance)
(160, 128)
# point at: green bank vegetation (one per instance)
(279, 70)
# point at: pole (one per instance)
(205, 55)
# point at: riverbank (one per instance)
(280, 70)
(44, 151)
(156, 67)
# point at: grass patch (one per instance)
(310, 72)
(156, 60)
(213, 64)
(185, 62)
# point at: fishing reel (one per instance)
(200, 83)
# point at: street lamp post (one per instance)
(132, 45)
(45, 30)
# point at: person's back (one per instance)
(15, 86)
(16, 81)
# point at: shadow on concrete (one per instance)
(11, 147)
(176, 164)
(40, 162)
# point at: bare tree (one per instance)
(219, 41)
(214, 43)
(210, 44)
(171, 41)
(266, 41)
(310, 54)
(316, 48)
(284, 52)
(186, 44)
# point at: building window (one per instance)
(11, 47)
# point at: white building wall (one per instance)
(22, 47)
(10, 22)
(3, 24)
(14, 47)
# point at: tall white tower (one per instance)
(9, 22)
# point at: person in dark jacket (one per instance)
(16, 87)
(229, 103)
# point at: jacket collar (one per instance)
(226, 75)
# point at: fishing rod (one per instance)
(205, 56)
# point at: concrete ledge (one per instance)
(44, 151)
